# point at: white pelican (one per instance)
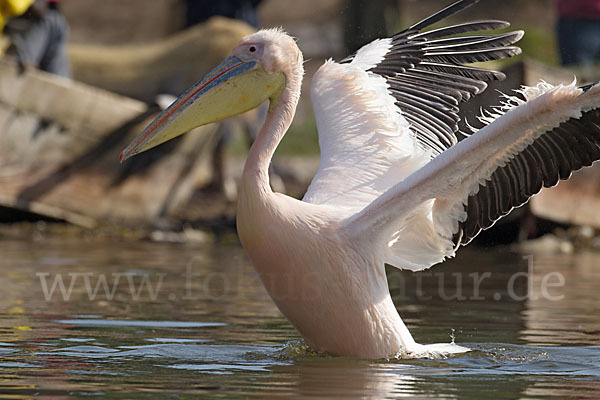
(394, 185)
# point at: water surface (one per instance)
(140, 319)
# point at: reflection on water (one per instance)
(139, 319)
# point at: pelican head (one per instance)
(254, 72)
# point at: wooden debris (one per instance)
(59, 153)
(171, 65)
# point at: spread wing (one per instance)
(573, 144)
(528, 144)
(388, 109)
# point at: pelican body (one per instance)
(394, 184)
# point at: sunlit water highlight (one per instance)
(194, 320)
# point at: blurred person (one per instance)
(11, 8)
(200, 10)
(39, 38)
(578, 30)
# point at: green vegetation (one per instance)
(540, 45)
(302, 138)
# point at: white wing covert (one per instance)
(387, 110)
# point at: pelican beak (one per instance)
(232, 88)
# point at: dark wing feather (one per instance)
(426, 75)
(555, 155)
(442, 14)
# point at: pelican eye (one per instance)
(252, 49)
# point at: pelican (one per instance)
(394, 184)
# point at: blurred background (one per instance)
(111, 274)
(115, 64)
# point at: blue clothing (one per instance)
(579, 41)
(42, 42)
(200, 10)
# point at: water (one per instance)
(182, 320)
